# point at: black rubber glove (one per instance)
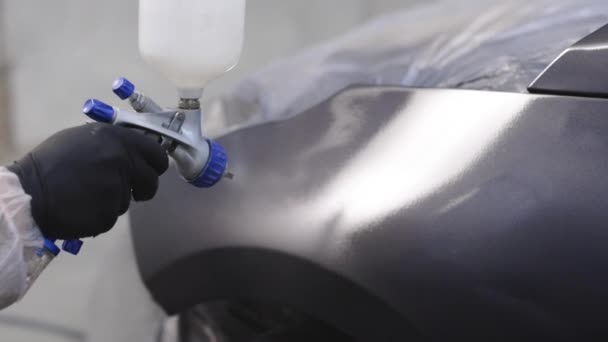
(81, 179)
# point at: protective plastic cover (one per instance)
(18, 235)
(497, 45)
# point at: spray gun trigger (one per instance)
(175, 125)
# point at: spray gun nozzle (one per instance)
(229, 175)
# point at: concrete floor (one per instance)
(68, 50)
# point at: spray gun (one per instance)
(190, 42)
(200, 161)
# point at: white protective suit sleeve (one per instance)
(17, 232)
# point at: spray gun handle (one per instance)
(203, 161)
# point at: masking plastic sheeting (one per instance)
(499, 46)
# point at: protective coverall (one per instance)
(74, 185)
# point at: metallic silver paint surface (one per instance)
(397, 213)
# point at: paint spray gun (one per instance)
(190, 42)
(200, 161)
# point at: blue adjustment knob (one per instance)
(50, 246)
(72, 246)
(98, 111)
(215, 168)
(123, 88)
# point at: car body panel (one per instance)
(397, 213)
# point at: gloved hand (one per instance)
(81, 179)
